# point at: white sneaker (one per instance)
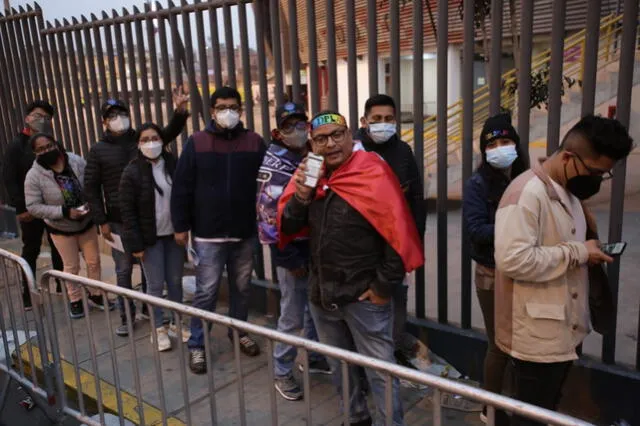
(164, 343)
(186, 332)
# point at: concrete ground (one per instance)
(324, 401)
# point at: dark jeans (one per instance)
(538, 384)
(31, 243)
(403, 341)
(124, 267)
(495, 361)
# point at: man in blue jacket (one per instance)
(213, 197)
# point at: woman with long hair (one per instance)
(145, 194)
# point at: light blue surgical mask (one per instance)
(502, 157)
(381, 132)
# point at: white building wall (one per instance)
(362, 88)
(454, 71)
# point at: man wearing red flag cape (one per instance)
(363, 240)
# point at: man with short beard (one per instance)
(17, 162)
(105, 163)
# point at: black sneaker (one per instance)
(320, 366)
(248, 346)
(288, 388)
(365, 422)
(123, 329)
(76, 310)
(97, 302)
(197, 361)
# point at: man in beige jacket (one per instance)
(541, 254)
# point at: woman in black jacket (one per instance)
(145, 194)
(501, 163)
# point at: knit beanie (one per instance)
(498, 126)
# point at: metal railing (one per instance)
(53, 327)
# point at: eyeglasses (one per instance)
(115, 114)
(290, 127)
(39, 116)
(221, 108)
(46, 148)
(337, 136)
(604, 174)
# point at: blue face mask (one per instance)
(502, 156)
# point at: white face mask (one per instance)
(297, 139)
(502, 156)
(152, 149)
(119, 124)
(227, 118)
(381, 132)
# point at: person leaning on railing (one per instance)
(502, 162)
(145, 207)
(53, 192)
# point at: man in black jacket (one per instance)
(379, 134)
(105, 164)
(17, 162)
(214, 197)
(358, 225)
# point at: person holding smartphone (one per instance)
(545, 240)
(53, 192)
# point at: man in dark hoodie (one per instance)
(17, 162)
(379, 134)
(105, 164)
(214, 198)
(289, 146)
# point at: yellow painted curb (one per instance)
(152, 415)
(540, 143)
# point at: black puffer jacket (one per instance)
(17, 161)
(105, 163)
(399, 157)
(138, 202)
(348, 256)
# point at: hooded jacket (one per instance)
(106, 162)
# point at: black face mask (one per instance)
(49, 158)
(583, 186)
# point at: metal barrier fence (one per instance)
(338, 46)
(54, 327)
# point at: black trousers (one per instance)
(538, 384)
(31, 241)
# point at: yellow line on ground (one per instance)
(152, 415)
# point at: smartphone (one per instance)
(314, 167)
(613, 249)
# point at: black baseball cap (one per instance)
(288, 110)
(112, 104)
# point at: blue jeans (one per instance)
(367, 329)
(124, 267)
(212, 260)
(164, 262)
(294, 316)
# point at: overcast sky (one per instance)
(59, 9)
